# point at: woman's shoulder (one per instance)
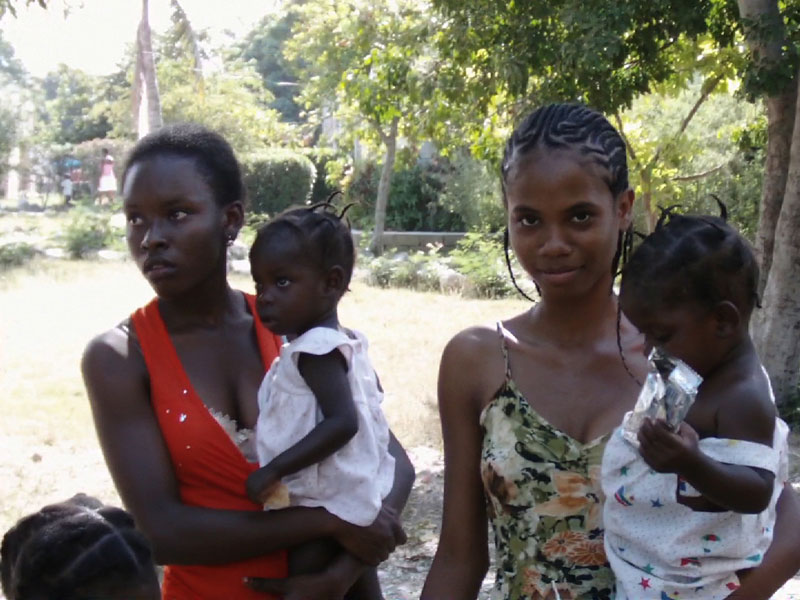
(114, 351)
(472, 342)
(472, 364)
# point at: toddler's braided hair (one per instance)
(693, 258)
(65, 546)
(322, 230)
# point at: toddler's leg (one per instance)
(368, 587)
(316, 556)
(312, 557)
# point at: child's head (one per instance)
(77, 550)
(565, 187)
(301, 262)
(691, 287)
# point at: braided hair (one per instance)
(583, 130)
(70, 545)
(697, 259)
(324, 233)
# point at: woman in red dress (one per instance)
(173, 392)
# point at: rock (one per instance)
(237, 251)
(111, 254)
(55, 253)
(239, 266)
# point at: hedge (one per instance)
(276, 179)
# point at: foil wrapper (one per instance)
(668, 392)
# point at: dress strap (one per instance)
(501, 331)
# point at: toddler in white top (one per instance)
(692, 507)
(321, 435)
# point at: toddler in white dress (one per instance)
(694, 505)
(321, 437)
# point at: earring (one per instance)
(229, 238)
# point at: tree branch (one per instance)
(699, 175)
(709, 87)
(621, 130)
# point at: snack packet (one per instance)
(668, 392)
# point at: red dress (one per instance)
(210, 469)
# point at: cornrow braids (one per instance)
(579, 128)
(693, 258)
(324, 232)
(574, 127)
(71, 545)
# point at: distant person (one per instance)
(322, 438)
(66, 190)
(77, 550)
(107, 186)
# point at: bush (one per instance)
(413, 199)
(480, 258)
(417, 270)
(472, 190)
(87, 231)
(277, 179)
(322, 188)
(15, 254)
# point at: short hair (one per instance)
(325, 235)
(571, 127)
(64, 546)
(693, 258)
(212, 154)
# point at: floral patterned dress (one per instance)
(544, 501)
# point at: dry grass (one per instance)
(50, 309)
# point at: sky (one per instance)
(93, 35)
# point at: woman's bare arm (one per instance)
(116, 380)
(465, 379)
(782, 559)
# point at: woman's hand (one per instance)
(667, 451)
(373, 544)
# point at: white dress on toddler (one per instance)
(352, 482)
(664, 550)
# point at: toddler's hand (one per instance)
(664, 450)
(261, 484)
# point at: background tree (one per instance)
(12, 88)
(371, 66)
(74, 107)
(773, 73)
(264, 45)
(10, 6)
(515, 54)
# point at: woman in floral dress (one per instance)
(527, 405)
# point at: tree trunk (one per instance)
(390, 141)
(146, 79)
(777, 327)
(780, 123)
(646, 197)
(765, 34)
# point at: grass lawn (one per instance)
(50, 308)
